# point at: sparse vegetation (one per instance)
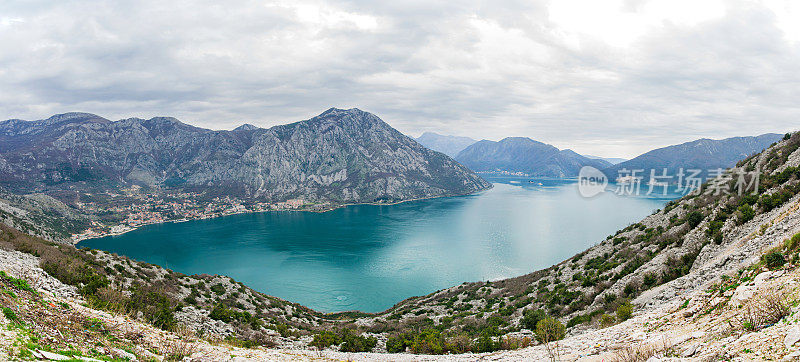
(624, 311)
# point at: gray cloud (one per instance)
(614, 78)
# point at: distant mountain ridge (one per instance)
(449, 145)
(341, 156)
(703, 154)
(521, 155)
(611, 160)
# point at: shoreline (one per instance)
(128, 229)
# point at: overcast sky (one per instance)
(611, 78)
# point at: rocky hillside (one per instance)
(521, 155)
(703, 154)
(340, 156)
(711, 276)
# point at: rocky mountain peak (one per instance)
(246, 127)
(340, 156)
(74, 117)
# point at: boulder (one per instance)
(792, 336)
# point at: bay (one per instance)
(369, 257)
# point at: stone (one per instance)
(52, 356)
(690, 350)
(792, 337)
(761, 278)
(742, 294)
(124, 354)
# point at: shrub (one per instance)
(746, 213)
(579, 319)
(22, 284)
(485, 344)
(624, 311)
(430, 341)
(607, 320)
(398, 343)
(773, 259)
(354, 343)
(630, 289)
(694, 218)
(157, 308)
(77, 273)
(766, 309)
(326, 339)
(649, 280)
(459, 344)
(221, 313)
(511, 343)
(10, 315)
(793, 243)
(531, 317)
(219, 289)
(549, 330)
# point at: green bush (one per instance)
(398, 343)
(624, 311)
(484, 344)
(746, 213)
(20, 284)
(157, 308)
(350, 342)
(607, 320)
(694, 218)
(326, 339)
(221, 313)
(227, 315)
(218, 289)
(430, 341)
(773, 259)
(549, 329)
(793, 243)
(77, 273)
(579, 319)
(531, 317)
(354, 343)
(10, 315)
(649, 280)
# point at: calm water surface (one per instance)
(369, 257)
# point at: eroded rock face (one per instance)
(340, 156)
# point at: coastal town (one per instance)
(119, 213)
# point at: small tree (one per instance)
(550, 330)
(531, 317)
(624, 311)
(746, 213)
(607, 320)
(694, 218)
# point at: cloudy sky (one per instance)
(612, 78)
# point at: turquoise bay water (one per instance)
(368, 257)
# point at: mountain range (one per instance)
(340, 156)
(449, 145)
(611, 160)
(520, 155)
(703, 154)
